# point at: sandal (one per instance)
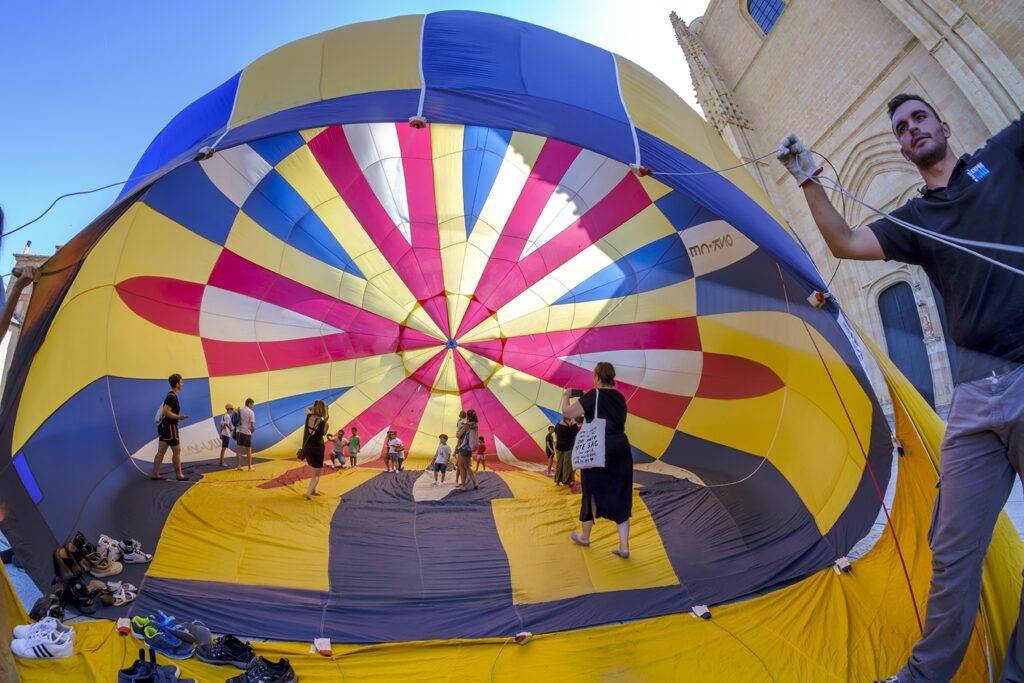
(182, 478)
(579, 541)
(122, 596)
(624, 554)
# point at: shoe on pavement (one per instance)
(227, 650)
(42, 626)
(44, 645)
(262, 670)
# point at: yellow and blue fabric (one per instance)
(329, 250)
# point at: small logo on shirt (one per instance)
(977, 172)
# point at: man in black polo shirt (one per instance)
(976, 200)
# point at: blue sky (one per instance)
(84, 87)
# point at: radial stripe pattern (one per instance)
(561, 258)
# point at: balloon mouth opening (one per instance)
(451, 344)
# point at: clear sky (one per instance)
(84, 87)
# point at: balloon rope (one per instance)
(874, 480)
(715, 170)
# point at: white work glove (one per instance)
(797, 159)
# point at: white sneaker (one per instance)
(109, 548)
(46, 645)
(131, 552)
(42, 626)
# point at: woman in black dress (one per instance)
(313, 443)
(608, 490)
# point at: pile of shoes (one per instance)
(229, 650)
(79, 555)
(73, 560)
(170, 637)
(48, 638)
(180, 640)
(148, 671)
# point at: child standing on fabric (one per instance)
(338, 454)
(441, 456)
(354, 443)
(549, 447)
(226, 431)
(396, 452)
(481, 456)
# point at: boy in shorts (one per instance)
(226, 431)
(441, 457)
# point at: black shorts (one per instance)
(440, 467)
(243, 440)
(168, 433)
(225, 441)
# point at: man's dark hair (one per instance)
(897, 101)
(250, 402)
(174, 379)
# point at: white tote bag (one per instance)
(588, 451)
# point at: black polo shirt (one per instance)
(984, 201)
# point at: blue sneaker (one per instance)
(168, 644)
(159, 621)
(142, 671)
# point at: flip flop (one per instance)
(158, 478)
(574, 537)
(183, 479)
(624, 554)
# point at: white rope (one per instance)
(719, 170)
(944, 239)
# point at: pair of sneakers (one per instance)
(48, 638)
(262, 670)
(168, 636)
(143, 671)
(127, 551)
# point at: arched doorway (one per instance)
(905, 338)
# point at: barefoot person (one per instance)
(313, 444)
(565, 437)
(470, 434)
(167, 430)
(975, 200)
(396, 452)
(549, 447)
(480, 456)
(246, 427)
(354, 444)
(608, 490)
(459, 424)
(226, 430)
(338, 443)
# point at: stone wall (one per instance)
(826, 71)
